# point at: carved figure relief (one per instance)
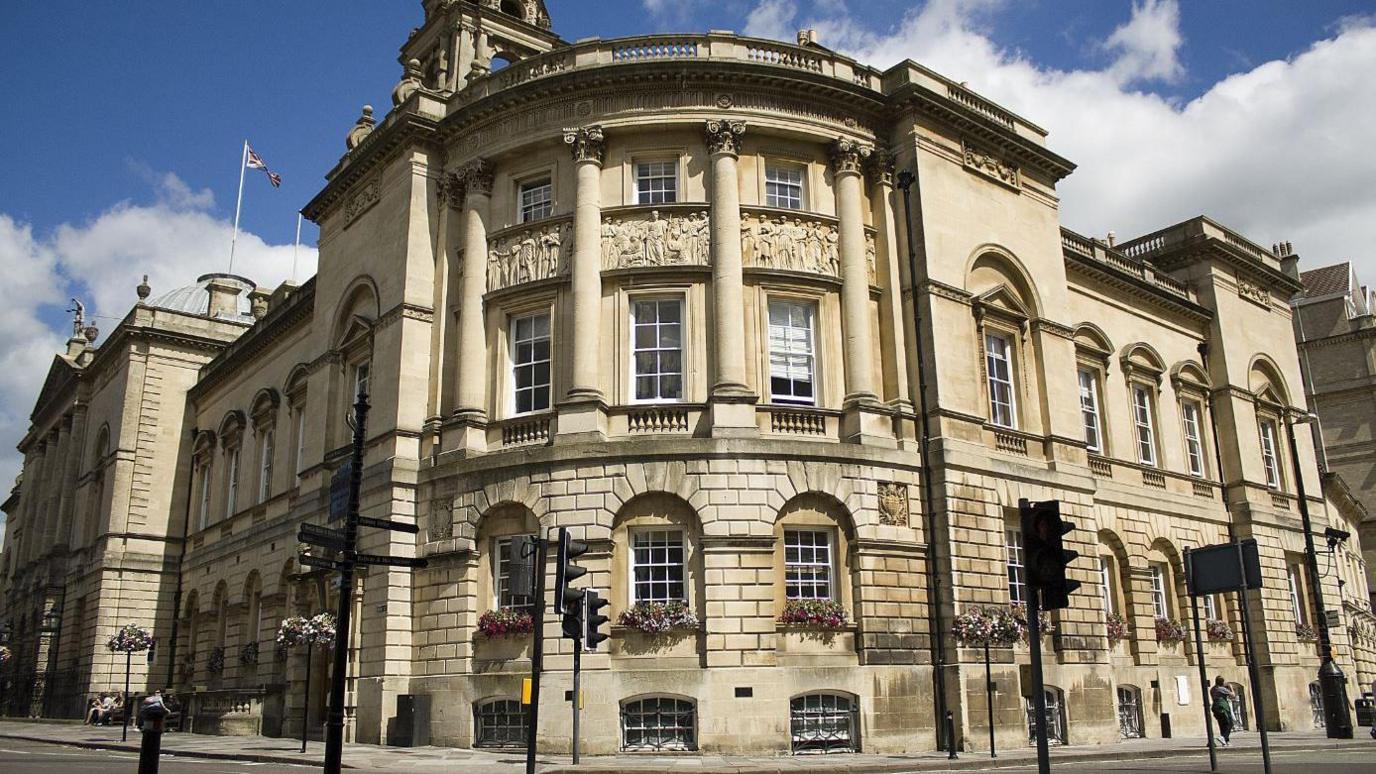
(675, 240)
(790, 243)
(893, 504)
(991, 166)
(534, 254)
(366, 197)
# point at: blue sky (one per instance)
(125, 122)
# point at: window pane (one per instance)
(1142, 418)
(1089, 408)
(999, 367)
(657, 353)
(530, 367)
(783, 187)
(656, 182)
(1017, 578)
(657, 566)
(807, 564)
(1194, 447)
(537, 200)
(791, 358)
(501, 558)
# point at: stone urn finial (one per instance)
(361, 128)
(91, 332)
(143, 289)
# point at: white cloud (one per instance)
(1147, 44)
(173, 240)
(1280, 151)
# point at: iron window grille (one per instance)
(1129, 712)
(823, 723)
(500, 723)
(1055, 718)
(658, 723)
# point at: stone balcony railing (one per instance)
(1122, 261)
(1194, 230)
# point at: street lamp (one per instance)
(1332, 682)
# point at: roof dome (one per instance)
(195, 299)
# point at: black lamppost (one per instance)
(1332, 682)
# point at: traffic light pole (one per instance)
(334, 719)
(1034, 641)
(537, 653)
(577, 693)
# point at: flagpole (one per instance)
(296, 248)
(238, 204)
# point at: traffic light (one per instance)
(1044, 557)
(572, 620)
(592, 619)
(567, 600)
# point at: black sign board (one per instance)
(395, 526)
(324, 537)
(315, 561)
(339, 491)
(1215, 569)
(389, 561)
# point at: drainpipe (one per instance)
(906, 179)
(181, 559)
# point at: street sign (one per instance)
(1216, 569)
(339, 491)
(389, 561)
(1333, 618)
(315, 561)
(395, 526)
(324, 537)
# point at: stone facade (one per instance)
(658, 291)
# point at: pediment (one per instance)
(61, 374)
(1000, 299)
(356, 331)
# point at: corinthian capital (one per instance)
(473, 178)
(849, 155)
(587, 143)
(724, 135)
(881, 166)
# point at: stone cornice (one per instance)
(299, 309)
(1137, 288)
(396, 131)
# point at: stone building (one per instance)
(657, 290)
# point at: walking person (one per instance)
(1373, 694)
(1221, 697)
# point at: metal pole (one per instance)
(296, 247)
(1332, 682)
(128, 665)
(238, 205)
(537, 653)
(1203, 672)
(577, 692)
(334, 719)
(906, 178)
(1034, 640)
(989, 699)
(1253, 677)
(306, 711)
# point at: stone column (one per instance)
(861, 423)
(893, 325)
(471, 398)
(732, 400)
(582, 415)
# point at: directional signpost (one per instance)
(324, 537)
(395, 526)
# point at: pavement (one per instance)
(264, 750)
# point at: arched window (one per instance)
(815, 534)
(1129, 712)
(499, 723)
(659, 555)
(253, 619)
(1055, 717)
(659, 723)
(824, 722)
(496, 530)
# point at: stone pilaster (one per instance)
(731, 398)
(471, 400)
(861, 422)
(582, 415)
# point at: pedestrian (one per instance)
(92, 712)
(1222, 707)
(1373, 695)
(107, 706)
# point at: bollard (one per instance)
(950, 736)
(153, 714)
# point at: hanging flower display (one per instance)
(321, 629)
(5, 655)
(987, 626)
(1169, 631)
(657, 617)
(296, 630)
(1116, 628)
(1019, 612)
(292, 631)
(248, 655)
(814, 614)
(216, 664)
(1219, 631)
(505, 622)
(1306, 633)
(131, 638)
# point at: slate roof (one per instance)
(1327, 279)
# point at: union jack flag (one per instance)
(256, 162)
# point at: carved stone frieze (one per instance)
(724, 135)
(848, 155)
(536, 253)
(675, 239)
(365, 197)
(893, 504)
(1252, 291)
(587, 143)
(796, 243)
(441, 518)
(991, 166)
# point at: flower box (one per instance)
(505, 622)
(657, 617)
(815, 614)
(1170, 632)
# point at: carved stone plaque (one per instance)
(893, 504)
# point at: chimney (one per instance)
(1289, 261)
(807, 37)
(224, 296)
